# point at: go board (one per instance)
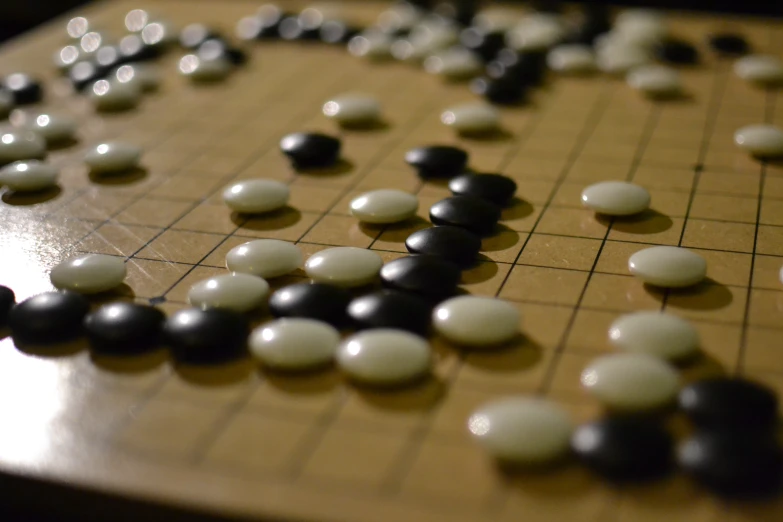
(144, 439)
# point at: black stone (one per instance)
(729, 44)
(124, 328)
(311, 149)
(107, 58)
(391, 309)
(7, 300)
(24, 89)
(193, 35)
(494, 188)
(453, 244)
(437, 161)
(624, 449)
(430, 277)
(210, 336)
(51, 317)
(730, 403)
(499, 91)
(133, 49)
(732, 464)
(336, 32)
(527, 67)
(468, 212)
(484, 44)
(83, 74)
(595, 22)
(217, 48)
(314, 301)
(678, 52)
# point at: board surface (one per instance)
(239, 442)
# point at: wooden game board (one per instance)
(130, 438)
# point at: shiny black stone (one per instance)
(499, 91)
(217, 48)
(484, 44)
(624, 449)
(494, 188)
(311, 149)
(437, 161)
(133, 49)
(336, 32)
(678, 52)
(210, 336)
(124, 328)
(314, 301)
(729, 44)
(453, 244)
(730, 404)
(193, 35)
(51, 317)
(7, 300)
(733, 464)
(391, 309)
(468, 212)
(430, 277)
(23, 88)
(84, 74)
(527, 68)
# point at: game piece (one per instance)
(318, 301)
(495, 18)
(344, 266)
(336, 32)
(472, 118)
(113, 156)
(593, 21)
(677, 52)
(668, 266)
(236, 291)
(453, 244)
(194, 35)
(253, 28)
(624, 449)
(294, 344)
(391, 309)
(200, 70)
(427, 38)
(353, 109)
(384, 206)
(655, 81)
(159, 34)
(92, 41)
(571, 59)
(482, 43)
(384, 357)
(763, 141)
(256, 196)
(270, 14)
(619, 58)
(24, 89)
(655, 333)
(729, 44)
(631, 381)
(47, 318)
(84, 74)
(536, 32)
(77, 27)
(267, 258)
(499, 91)
(134, 49)
(494, 188)
(7, 301)
(437, 161)
(108, 57)
(373, 45)
(477, 322)
(645, 30)
(144, 76)
(454, 64)
(124, 328)
(399, 18)
(427, 276)
(28, 176)
(616, 198)
(218, 49)
(136, 20)
(525, 67)
(311, 149)
(66, 57)
(522, 430)
(760, 69)
(474, 214)
(206, 336)
(89, 273)
(726, 403)
(53, 128)
(291, 28)
(114, 96)
(17, 145)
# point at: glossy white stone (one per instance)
(430, 37)
(384, 357)
(372, 44)
(522, 430)
(17, 145)
(759, 68)
(344, 266)
(655, 333)
(199, 70)
(28, 176)
(265, 258)
(235, 291)
(536, 32)
(353, 109)
(764, 141)
(619, 57)
(655, 80)
(89, 273)
(571, 59)
(641, 27)
(616, 198)
(384, 206)
(53, 128)
(668, 266)
(631, 381)
(67, 56)
(113, 156)
(472, 118)
(456, 63)
(294, 344)
(399, 17)
(476, 321)
(256, 196)
(114, 96)
(143, 77)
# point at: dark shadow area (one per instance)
(648, 222)
(517, 209)
(419, 395)
(701, 366)
(559, 480)
(62, 144)
(341, 167)
(23, 199)
(119, 178)
(311, 382)
(217, 375)
(503, 239)
(373, 230)
(373, 126)
(277, 220)
(54, 350)
(130, 364)
(495, 135)
(484, 270)
(707, 295)
(517, 355)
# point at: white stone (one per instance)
(668, 266)
(427, 38)
(235, 291)
(571, 59)
(344, 266)
(384, 357)
(143, 77)
(256, 196)
(399, 17)
(456, 63)
(199, 70)
(89, 273)
(536, 32)
(764, 141)
(760, 69)
(522, 430)
(655, 333)
(28, 176)
(619, 58)
(67, 56)
(616, 198)
(496, 19)
(294, 344)
(353, 109)
(642, 27)
(384, 206)
(114, 96)
(655, 80)
(373, 45)
(267, 258)
(17, 145)
(631, 381)
(115, 156)
(472, 118)
(53, 128)
(476, 321)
